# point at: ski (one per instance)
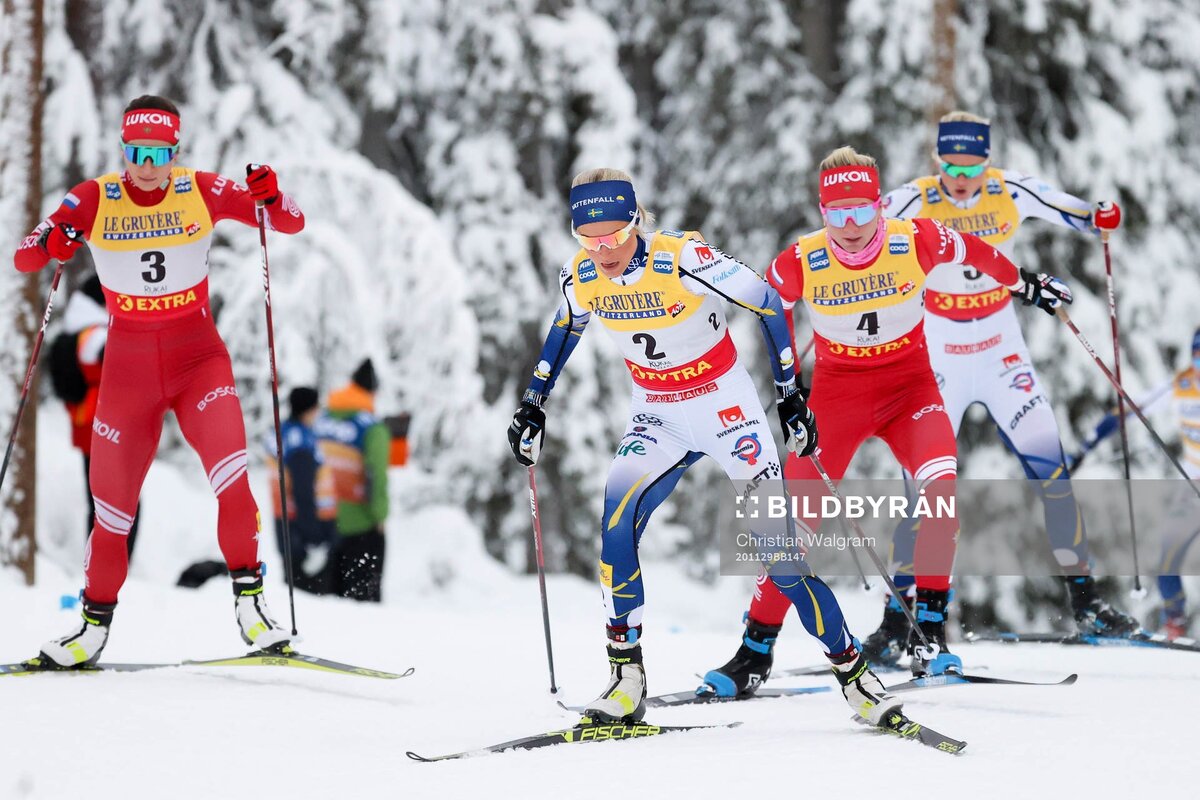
(696, 697)
(900, 725)
(585, 731)
(955, 679)
(1139, 639)
(260, 658)
(824, 669)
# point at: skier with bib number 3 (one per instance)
(659, 294)
(150, 228)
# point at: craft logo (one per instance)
(663, 262)
(748, 448)
(729, 416)
(1013, 360)
(1022, 381)
(705, 253)
(818, 259)
(112, 191)
(587, 271)
(897, 244)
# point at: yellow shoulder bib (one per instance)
(122, 225)
(656, 300)
(994, 218)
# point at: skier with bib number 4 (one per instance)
(862, 278)
(659, 294)
(150, 228)
(979, 354)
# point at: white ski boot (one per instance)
(255, 624)
(624, 700)
(83, 645)
(861, 688)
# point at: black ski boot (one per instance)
(931, 614)
(750, 666)
(1093, 616)
(890, 640)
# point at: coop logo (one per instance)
(898, 244)
(932, 195)
(748, 448)
(1022, 381)
(994, 187)
(106, 431)
(183, 184)
(818, 259)
(663, 262)
(587, 271)
(216, 394)
(112, 191)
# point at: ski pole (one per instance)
(1112, 313)
(33, 359)
(541, 571)
(261, 217)
(1061, 313)
(879, 565)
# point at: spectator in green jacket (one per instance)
(355, 445)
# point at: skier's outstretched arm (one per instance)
(228, 199)
(52, 238)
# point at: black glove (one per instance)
(798, 423)
(1042, 290)
(526, 433)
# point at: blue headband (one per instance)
(602, 201)
(964, 139)
(1196, 341)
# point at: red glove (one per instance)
(1106, 216)
(263, 183)
(61, 241)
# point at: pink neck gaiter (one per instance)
(867, 254)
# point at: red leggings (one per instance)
(900, 403)
(181, 365)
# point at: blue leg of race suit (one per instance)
(1045, 463)
(637, 483)
(904, 543)
(818, 609)
(1170, 585)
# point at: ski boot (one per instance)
(1093, 616)
(1174, 627)
(624, 699)
(861, 688)
(750, 666)
(83, 645)
(890, 640)
(255, 624)
(936, 659)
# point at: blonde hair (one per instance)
(846, 156)
(964, 116)
(613, 174)
(957, 115)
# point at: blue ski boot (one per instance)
(936, 659)
(750, 666)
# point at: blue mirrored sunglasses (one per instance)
(838, 217)
(158, 155)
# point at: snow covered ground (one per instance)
(474, 636)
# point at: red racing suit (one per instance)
(163, 351)
(872, 375)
